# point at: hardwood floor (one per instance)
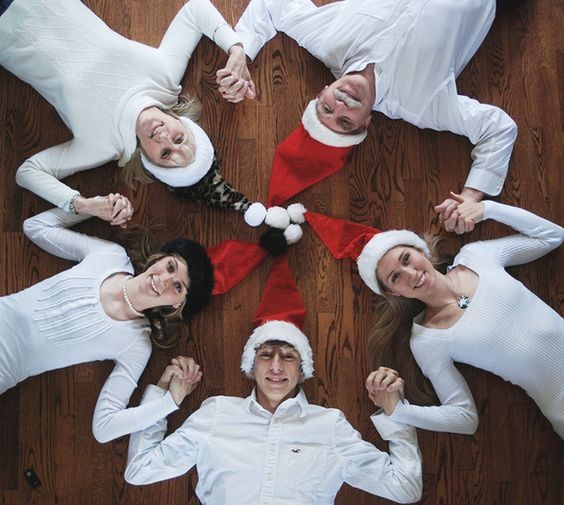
(391, 181)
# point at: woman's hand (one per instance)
(234, 81)
(184, 377)
(114, 208)
(457, 219)
(385, 388)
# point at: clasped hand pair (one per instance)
(234, 81)
(461, 212)
(114, 208)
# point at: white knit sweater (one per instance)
(506, 330)
(60, 322)
(97, 80)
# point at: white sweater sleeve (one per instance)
(489, 128)
(257, 26)
(196, 18)
(457, 412)
(48, 230)
(537, 236)
(396, 476)
(112, 418)
(152, 459)
(42, 172)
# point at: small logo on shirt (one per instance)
(296, 451)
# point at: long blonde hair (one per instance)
(133, 171)
(388, 340)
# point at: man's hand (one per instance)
(234, 81)
(114, 208)
(449, 213)
(385, 388)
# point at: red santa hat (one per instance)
(361, 243)
(232, 261)
(280, 316)
(311, 153)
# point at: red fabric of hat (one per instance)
(281, 300)
(344, 239)
(232, 261)
(300, 161)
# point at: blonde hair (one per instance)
(388, 340)
(134, 171)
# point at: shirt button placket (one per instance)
(270, 469)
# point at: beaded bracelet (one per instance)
(71, 203)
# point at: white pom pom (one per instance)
(277, 217)
(255, 214)
(296, 212)
(293, 233)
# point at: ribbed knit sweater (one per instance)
(506, 330)
(60, 322)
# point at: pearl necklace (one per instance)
(127, 299)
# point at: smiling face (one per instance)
(164, 138)
(164, 283)
(277, 372)
(345, 106)
(406, 271)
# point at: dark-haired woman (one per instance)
(101, 308)
(476, 314)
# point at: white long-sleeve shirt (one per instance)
(301, 454)
(506, 330)
(418, 48)
(97, 80)
(60, 322)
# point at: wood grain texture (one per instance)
(391, 181)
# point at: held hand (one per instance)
(234, 80)
(166, 377)
(456, 218)
(189, 368)
(114, 208)
(180, 388)
(385, 388)
(122, 211)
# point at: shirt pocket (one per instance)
(303, 468)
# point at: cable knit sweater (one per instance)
(60, 322)
(98, 81)
(506, 330)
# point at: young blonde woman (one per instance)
(473, 313)
(117, 96)
(102, 308)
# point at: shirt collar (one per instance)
(292, 406)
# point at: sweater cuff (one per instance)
(154, 393)
(225, 37)
(490, 209)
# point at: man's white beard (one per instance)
(349, 101)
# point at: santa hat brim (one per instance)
(378, 246)
(321, 133)
(282, 331)
(190, 174)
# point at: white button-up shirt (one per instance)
(418, 48)
(299, 455)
